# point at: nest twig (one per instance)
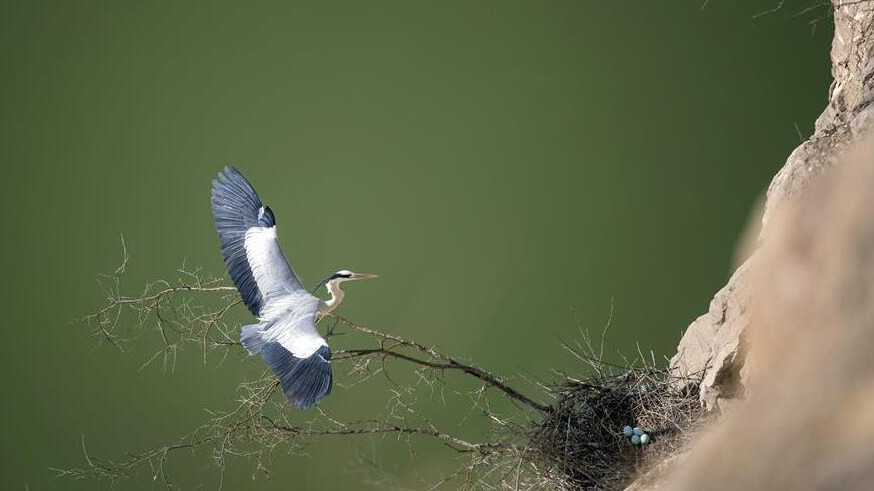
(580, 445)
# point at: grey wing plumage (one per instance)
(247, 232)
(295, 352)
(286, 338)
(305, 381)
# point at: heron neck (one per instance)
(337, 294)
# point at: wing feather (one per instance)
(250, 248)
(293, 349)
(286, 338)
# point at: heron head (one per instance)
(346, 275)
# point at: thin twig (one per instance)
(446, 362)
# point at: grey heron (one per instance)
(285, 335)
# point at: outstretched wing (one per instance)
(247, 231)
(295, 352)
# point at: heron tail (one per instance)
(305, 381)
(252, 338)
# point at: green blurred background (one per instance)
(507, 167)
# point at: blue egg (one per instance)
(637, 431)
(644, 439)
(627, 431)
(635, 439)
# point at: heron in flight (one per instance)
(285, 335)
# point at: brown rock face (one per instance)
(808, 420)
(713, 346)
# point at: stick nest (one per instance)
(580, 444)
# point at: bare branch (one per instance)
(191, 309)
(445, 362)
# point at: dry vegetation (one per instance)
(574, 443)
(580, 444)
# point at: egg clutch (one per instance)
(636, 435)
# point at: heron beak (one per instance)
(363, 276)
